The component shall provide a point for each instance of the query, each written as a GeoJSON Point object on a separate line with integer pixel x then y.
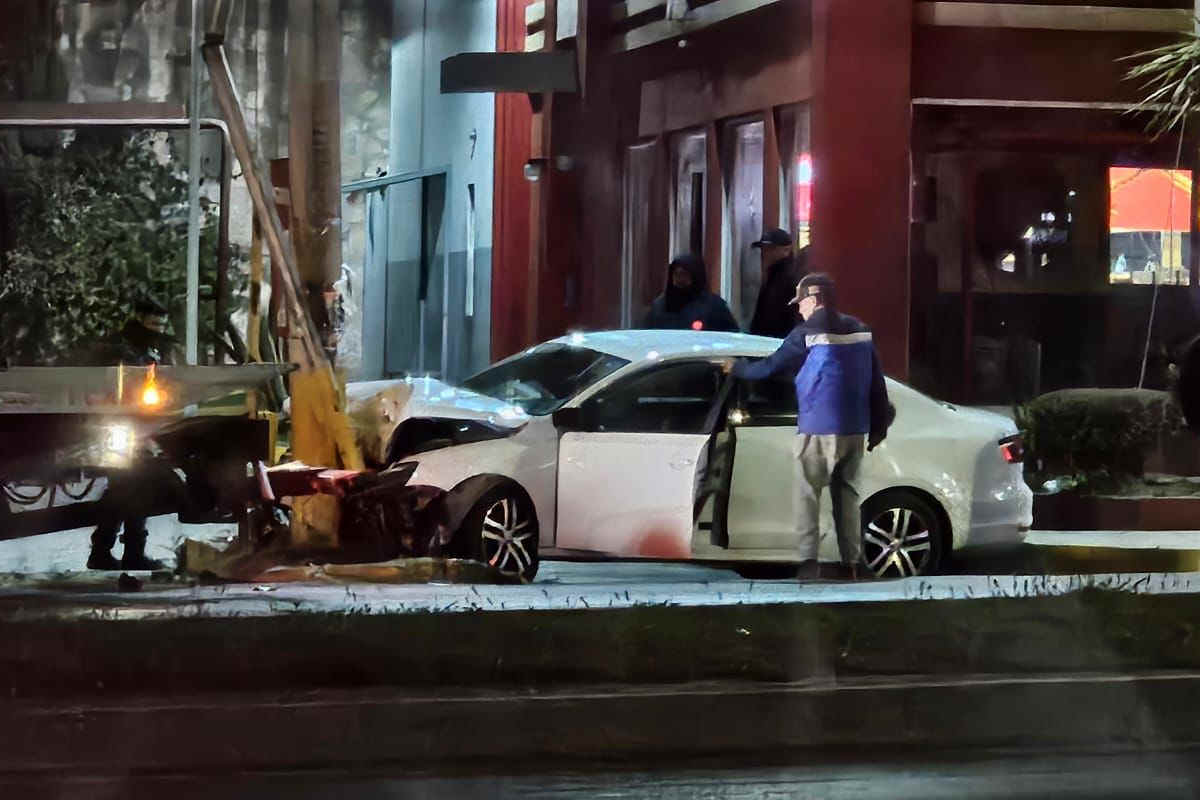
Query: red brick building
{"type": "Point", "coordinates": [952, 163]}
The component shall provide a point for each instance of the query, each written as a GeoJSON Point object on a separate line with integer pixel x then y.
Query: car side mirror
{"type": "Point", "coordinates": [569, 419]}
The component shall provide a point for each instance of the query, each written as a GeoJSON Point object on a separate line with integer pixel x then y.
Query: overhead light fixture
{"type": "Point", "coordinates": [535, 169]}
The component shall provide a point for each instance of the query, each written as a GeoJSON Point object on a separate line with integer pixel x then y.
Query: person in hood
{"type": "Point", "coordinates": [686, 303]}
{"type": "Point", "coordinates": [143, 340]}
{"type": "Point", "coordinates": [783, 268]}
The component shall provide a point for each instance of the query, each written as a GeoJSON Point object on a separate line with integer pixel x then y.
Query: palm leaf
{"type": "Point", "coordinates": [1170, 81]}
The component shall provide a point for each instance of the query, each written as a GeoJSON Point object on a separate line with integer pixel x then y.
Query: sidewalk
{"type": "Point", "coordinates": [1109, 550]}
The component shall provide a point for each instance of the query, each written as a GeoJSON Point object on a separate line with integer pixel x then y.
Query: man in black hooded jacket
{"type": "Point", "coordinates": [782, 270]}
{"type": "Point", "coordinates": [686, 303]}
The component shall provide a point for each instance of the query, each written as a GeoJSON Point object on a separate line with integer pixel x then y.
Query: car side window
{"type": "Point", "coordinates": [769, 400]}
{"type": "Point", "coordinates": [674, 398]}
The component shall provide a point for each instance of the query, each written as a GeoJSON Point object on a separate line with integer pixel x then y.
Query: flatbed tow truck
{"type": "Point", "coordinates": [186, 440]}
{"type": "Point", "coordinates": [188, 448]}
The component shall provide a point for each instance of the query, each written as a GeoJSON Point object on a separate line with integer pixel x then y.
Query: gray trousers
{"type": "Point", "coordinates": [833, 461]}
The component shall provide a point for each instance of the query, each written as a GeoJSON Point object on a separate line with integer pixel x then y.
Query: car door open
{"type": "Point", "coordinates": [760, 495]}
{"type": "Point", "coordinates": [629, 460]}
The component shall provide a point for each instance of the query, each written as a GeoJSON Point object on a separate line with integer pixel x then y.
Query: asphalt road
{"type": "Point", "coordinates": [868, 777]}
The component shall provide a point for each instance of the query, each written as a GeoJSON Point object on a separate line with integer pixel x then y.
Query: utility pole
{"type": "Point", "coordinates": [321, 432]}
{"type": "Point", "coordinates": [314, 165]}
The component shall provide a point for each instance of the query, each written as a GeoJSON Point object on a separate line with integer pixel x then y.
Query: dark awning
{"type": "Point", "coordinates": [529, 73]}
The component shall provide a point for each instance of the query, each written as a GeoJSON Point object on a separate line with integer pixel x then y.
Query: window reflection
{"type": "Point", "coordinates": [1149, 225]}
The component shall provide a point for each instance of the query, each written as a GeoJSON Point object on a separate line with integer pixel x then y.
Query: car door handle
{"type": "Point", "coordinates": [682, 463]}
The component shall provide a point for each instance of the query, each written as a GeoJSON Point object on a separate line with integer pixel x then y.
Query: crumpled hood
{"type": "Point", "coordinates": [376, 408]}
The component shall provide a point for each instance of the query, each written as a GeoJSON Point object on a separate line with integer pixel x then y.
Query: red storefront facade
{"type": "Point", "coordinates": [919, 147]}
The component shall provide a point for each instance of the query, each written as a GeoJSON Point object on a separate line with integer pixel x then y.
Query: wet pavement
{"type": "Point", "coordinates": [1032, 774]}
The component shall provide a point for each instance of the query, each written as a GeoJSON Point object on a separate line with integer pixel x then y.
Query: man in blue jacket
{"type": "Point", "coordinates": [842, 397]}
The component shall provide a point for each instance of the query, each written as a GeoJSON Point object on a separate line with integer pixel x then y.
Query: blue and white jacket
{"type": "Point", "coordinates": [839, 383]}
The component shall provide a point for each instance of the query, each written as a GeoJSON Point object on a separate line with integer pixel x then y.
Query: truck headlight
{"type": "Point", "coordinates": [118, 439]}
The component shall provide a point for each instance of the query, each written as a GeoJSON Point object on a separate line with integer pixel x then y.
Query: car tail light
{"type": "Point", "coordinates": [1013, 448]}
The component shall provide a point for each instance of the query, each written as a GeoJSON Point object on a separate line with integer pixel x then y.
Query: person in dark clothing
{"type": "Point", "coordinates": [686, 303]}
{"type": "Point", "coordinates": [141, 342]}
{"type": "Point", "coordinates": [841, 396]}
{"type": "Point", "coordinates": [143, 339]}
{"type": "Point", "coordinates": [782, 270]}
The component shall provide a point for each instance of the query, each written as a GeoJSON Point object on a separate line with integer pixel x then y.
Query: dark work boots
{"type": "Point", "coordinates": [134, 557]}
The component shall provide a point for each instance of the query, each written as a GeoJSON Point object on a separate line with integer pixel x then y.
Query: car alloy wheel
{"type": "Point", "coordinates": [902, 536]}
{"type": "Point", "coordinates": [508, 537]}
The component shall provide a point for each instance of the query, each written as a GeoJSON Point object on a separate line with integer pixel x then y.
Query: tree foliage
{"type": "Point", "coordinates": [1170, 77]}
{"type": "Point", "coordinates": [89, 230]}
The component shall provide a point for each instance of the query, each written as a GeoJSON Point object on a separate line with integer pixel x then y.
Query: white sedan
{"type": "Point", "coordinates": [636, 444]}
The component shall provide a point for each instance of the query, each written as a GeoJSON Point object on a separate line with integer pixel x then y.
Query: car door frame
{"type": "Point", "coordinates": [743, 417]}
{"type": "Point", "coordinates": [569, 420]}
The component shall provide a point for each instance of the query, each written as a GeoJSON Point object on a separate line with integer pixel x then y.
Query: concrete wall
{"type": "Point", "coordinates": [430, 131]}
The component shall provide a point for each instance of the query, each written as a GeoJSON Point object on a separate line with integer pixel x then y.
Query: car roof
{"type": "Point", "coordinates": [638, 345]}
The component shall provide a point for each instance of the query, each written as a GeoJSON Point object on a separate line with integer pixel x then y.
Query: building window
{"type": "Point", "coordinates": [689, 166]}
{"type": "Point", "coordinates": [742, 275]}
{"type": "Point", "coordinates": [469, 301]}
{"type": "Point", "coordinates": [1149, 225]}
{"type": "Point", "coordinates": [795, 158]}
{"type": "Point", "coordinates": [641, 277]}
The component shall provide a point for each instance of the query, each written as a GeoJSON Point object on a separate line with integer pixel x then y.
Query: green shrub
{"type": "Point", "coordinates": [1095, 436]}
{"type": "Point", "coordinates": [89, 230]}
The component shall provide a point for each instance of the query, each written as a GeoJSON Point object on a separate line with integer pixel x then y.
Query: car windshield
{"type": "Point", "coordinates": [542, 379]}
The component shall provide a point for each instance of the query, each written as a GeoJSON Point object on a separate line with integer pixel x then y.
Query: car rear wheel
{"type": "Point", "coordinates": [501, 530]}
{"type": "Point", "coordinates": [903, 535]}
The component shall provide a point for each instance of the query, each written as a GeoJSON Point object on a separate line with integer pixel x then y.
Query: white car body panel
{"type": "Point", "coordinates": [631, 494]}
{"type": "Point", "coordinates": [628, 493]}
{"type": "Point", "coordinates": [530, 457]}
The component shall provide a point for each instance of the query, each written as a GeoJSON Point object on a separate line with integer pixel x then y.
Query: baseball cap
{"type": "Point", "coordinates": [774, 238]}
{"type": "Point", "coordinates": [814, 284]}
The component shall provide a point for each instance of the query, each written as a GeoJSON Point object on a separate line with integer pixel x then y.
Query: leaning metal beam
{"type": "Point", "coordinates": [262, 195]}
{"type": "Point", "coordinates": [319, 424]}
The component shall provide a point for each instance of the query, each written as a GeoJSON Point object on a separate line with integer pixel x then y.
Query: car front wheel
{"type": "Point", "coordinates": [501, 530]}
{"type": "Point", "coordinates": [903, 535]}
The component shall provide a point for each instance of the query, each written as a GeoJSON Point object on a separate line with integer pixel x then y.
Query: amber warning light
{"type": "Point", "coordinates": [152, 395]}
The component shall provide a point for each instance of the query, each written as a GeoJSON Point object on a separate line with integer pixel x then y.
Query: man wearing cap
{"type": "Point", "coordinates": [782, 269]}
{"type": "Point", "coordinates": [841, 399]}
